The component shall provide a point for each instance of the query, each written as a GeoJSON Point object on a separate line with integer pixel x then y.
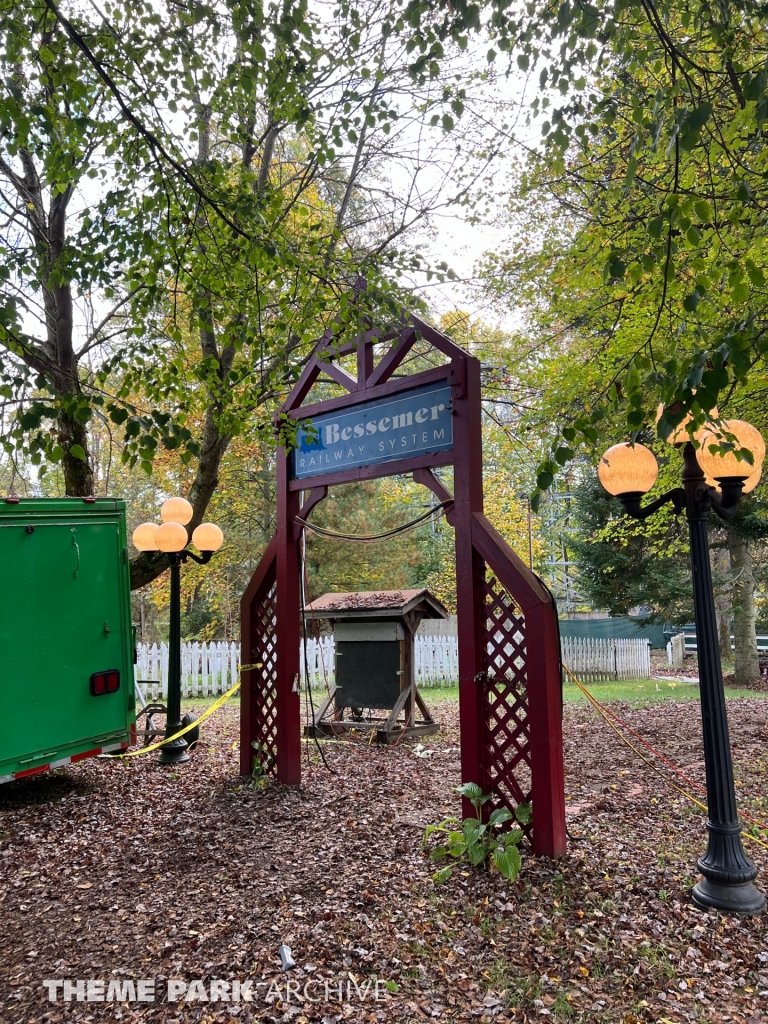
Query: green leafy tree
{"type": "Point", "coordinates": [364, 509]}
{"type": "Point", "coordinates": [643, 253]}
{"type": "Point", "coordinates": [624, 563]}
{"type": "Point", "coordinates": [191, 193]}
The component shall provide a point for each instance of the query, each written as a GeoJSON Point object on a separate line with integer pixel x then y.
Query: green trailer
{"type": "Point", "coordinates": [66, 640]}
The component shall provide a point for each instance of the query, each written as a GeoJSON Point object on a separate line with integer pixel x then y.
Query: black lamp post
{"type": "Point", "coordinates": [628, 471]}
{"type": "Point", "coordinates": [169, 541]}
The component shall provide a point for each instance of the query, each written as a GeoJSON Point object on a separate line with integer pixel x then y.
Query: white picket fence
{"type": "Point", "coordinates": [594, 660]}
{"type": "Point", "coordinates": [321, 658]}
{"type": "Point", "coordinates": [211, 669]}
{"type": "Point", "coordinates": [436, 660]}
{"type": "Point", "coordinates": [206, 669]}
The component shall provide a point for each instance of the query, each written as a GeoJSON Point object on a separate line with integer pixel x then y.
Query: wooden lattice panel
{"type": "Point", "coordinates": [264, 653]}
{"type": "Point", "coordinates": [506, 733]}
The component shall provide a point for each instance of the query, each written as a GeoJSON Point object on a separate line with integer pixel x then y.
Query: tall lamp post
{"type": "Point", "coordinates": [169, 541]}
{"type": "Point", "coordinates": [627, 472]}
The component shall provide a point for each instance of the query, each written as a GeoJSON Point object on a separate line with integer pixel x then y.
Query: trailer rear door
{"type": "Point", "coordinates": [61, 621]}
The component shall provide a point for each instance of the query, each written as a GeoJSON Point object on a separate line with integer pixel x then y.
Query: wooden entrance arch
{"type": "Point", "coordinates": [509, 669]}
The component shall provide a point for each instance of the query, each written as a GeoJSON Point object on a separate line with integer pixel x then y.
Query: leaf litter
{"type": "Point", "coordinates": [122, 870]}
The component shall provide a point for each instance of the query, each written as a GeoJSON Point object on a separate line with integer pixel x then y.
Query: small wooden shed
{"type": "Point", "coordinates": [374, 638]}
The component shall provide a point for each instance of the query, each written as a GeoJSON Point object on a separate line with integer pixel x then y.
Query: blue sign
{"type": "Point", "coordinates": [412, 423]}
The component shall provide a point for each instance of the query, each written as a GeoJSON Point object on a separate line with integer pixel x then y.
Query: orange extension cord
{"type": "Point", "coordinates": [608, 715]}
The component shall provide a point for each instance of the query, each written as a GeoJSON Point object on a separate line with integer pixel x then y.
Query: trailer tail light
{"type": "Point", "coordinates": [105, 682]}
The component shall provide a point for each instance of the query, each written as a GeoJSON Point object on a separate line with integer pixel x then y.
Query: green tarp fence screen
{"type": "Point", "coordinates": [619, 628]}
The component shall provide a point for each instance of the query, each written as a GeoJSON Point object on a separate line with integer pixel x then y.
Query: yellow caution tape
{"type": "Point", "coordinates": [192, 725]}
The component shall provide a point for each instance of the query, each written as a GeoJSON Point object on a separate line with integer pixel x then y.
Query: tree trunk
{"type": "Point", "coordinates": [78, 473]}
{"type": "Point", "coordinates": [722, 582]}
{"type": "Point", "coordinates": [55, 357]}
{"type": "Point", "coordinates": [746, 665]}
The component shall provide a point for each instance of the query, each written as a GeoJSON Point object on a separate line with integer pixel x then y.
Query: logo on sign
{"type": "Point", "coordinates": [416, 422]}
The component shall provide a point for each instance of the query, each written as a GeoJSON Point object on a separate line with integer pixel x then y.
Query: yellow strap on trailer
{"type": "Point", "coordinates": [192, 725]}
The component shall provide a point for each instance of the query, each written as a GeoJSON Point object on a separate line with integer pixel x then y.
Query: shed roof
{"type": "Point", "coordinates": [377, 604]}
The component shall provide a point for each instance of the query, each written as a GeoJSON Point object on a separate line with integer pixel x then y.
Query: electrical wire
{"type": "Point", "coordinates": [374, 538]}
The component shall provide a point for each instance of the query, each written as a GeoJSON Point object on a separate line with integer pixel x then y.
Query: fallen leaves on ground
{"type": "Point", "coordinates": [118, 870]}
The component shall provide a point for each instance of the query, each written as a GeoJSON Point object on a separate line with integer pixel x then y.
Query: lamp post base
{"type": "Point", "coordinates": [175, 752]}
{"type": "Point", "coordinates": [740, 898]}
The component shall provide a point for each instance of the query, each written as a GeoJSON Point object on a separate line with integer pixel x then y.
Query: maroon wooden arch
{"type": "Point", "coordinates": [509, 671]}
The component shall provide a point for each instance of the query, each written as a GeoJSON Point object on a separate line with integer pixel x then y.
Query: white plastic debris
{"type": "Point", "coordinates": [286, 957]}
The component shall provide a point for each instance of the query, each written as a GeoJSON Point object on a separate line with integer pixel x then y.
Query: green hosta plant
{"type": "Point", "coordinates": [261, 762]}
{"type": "Point", "coordinates": [477, 841]}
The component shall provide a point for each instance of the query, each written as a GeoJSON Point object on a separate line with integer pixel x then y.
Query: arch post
{"type": "Point", "coordinates": [470, 572]}
{"type": "Point", "coordinates": [288, 686]}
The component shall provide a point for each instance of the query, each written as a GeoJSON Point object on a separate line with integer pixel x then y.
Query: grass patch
{"type": "Point", "coordinates": [433, 694]}
{"type": "Point", "coordinates": [641, 690]}
{"type": "Point", "coordinates": [645, 690]}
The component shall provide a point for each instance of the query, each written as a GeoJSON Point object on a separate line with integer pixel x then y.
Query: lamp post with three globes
{"type": "Point", "coordinates": [628, 471]}
{"type": "Point", "coordinates": [169, 541]}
